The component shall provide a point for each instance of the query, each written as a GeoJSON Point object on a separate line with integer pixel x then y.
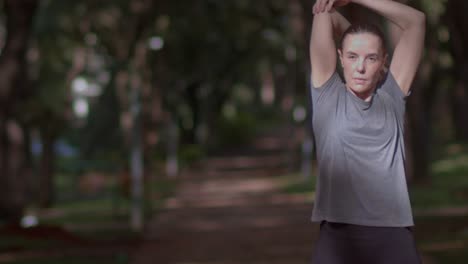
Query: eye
{"type": "Point", "coordinates": [352, 57]}
{"type": "Point", "coordinates": [372, 59]}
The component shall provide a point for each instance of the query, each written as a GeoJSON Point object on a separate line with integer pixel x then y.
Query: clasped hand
{"type": "Point", "coordinates": [321, 6]}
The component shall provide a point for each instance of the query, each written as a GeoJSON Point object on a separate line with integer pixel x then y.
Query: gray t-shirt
{"type": "Point", "coordinates": [361, 155]}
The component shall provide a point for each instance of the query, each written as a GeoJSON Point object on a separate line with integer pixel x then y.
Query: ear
{"type": "Point", "coordinates": [385, 60]}
{"type": "Point", "coordinates": [384, 70]}
{"type": "Point", "coordinates": [384, 65]}
{"type": "Point", "coordinates": [340, 55]}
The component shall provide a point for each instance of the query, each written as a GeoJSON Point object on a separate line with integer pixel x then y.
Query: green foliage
{"type": "Point", "coordinates": [433, 9]}
{"type": "Point", "coordinates": [236, 130]}
{"type": "Point", "coordinates": [9, 242]}
{"type": "Point", "coordinates": [101, 137]}
{"type": "Point", "coordinates": [190, 153]}
{"type": "Point", "coordinates": [455, 256]}
{"type": "Point", "coordinates": [448, 184]}
{"type": "Point", "coordinates": [296, 183]}
{"type": "Point", "coordinates": [443, 237]}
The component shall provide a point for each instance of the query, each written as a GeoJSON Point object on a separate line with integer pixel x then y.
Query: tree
{"type": "Point", "coordinates": [458, 28]}
{"type": "Point", "coordinates": [13, 89]}
{"type": "Point", "coordinates": [59, 57]}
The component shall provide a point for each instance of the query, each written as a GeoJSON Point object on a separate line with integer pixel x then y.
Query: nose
{"type": "Point", "coordinates": [360, 67]}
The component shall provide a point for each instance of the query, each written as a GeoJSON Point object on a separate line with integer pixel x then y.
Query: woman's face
{"type": "Point", "coordinates": [363, 59]}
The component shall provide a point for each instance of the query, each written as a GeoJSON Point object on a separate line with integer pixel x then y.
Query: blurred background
{"type": "Point", "coordinates": [176, 131]}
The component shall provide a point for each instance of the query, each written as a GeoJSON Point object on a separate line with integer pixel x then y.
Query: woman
{"type": "Point", "coordinates": [362, 199]}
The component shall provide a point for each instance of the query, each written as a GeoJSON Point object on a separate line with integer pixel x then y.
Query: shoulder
{"type": "Point", "coordinates": [333, 80]}
{"type": "Point", "coordinates": [328, 90]}
{"type": "Point", "coordinates": [390, 85]}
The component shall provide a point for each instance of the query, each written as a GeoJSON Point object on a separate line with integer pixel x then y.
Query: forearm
{"type": "Point", "coordinates": [322, 31]}
{"type": "Point", "coordinates": [322, 49]}
{"type": "Point", "coordinates": [402, 15]}
{"type": "Point", "coordinates": [340, 24]}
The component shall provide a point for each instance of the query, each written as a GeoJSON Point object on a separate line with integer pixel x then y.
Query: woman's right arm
{"type": "Point", "coordinates": [326, 24]}
{"type": "Point", "coordinates": [410, 45]}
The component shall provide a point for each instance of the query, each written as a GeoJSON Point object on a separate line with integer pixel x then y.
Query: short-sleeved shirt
{"type": "Point", "coordinates": [361, 155]}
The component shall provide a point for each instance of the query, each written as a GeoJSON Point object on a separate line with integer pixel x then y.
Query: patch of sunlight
{"type": "Point", "coordinates": [293, 198]}
{"type": "Point", "coordinates": [448, 165]}
{"type": "Point", "coordinates": [238, 186]}
{"type": "Point", "coordinates": [297, 184]}
{"type": "Point", "coordinates": [269, 222]}
{"type": "Point", "coordinates": [444, 246]}
{"type": "Point", "coordinates": [206, 225]}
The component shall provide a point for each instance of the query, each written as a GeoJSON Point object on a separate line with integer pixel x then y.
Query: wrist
{"type": "Point", "coordinates": [340, 3]}
{"type": "Point", "coordinates": [356, 1]}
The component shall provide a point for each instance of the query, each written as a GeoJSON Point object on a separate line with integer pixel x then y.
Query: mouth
{"type": "Point", "coordinates": [360, 80]}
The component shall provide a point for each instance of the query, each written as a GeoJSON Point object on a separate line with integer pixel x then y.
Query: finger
{"type": "Point", "coordinates": [324, 5]}
{"type": "Point", "coordinates": [329, 6]}
{"type": "Point", "coordinates": [320, 6]}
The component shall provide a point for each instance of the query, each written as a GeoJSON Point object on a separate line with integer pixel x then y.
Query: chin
{"type": "Point", "coordinates": [360, 91]}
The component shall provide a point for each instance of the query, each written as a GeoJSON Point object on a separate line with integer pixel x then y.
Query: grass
{"type": "Point", "coordinates": [14, 242]}
{"type": "Point", "coordinates": [102, 218]}
{"type": "Point", "coordinates": [452, 257]}
{"type": "Point", "coordinates": [444, 237]}
{"type": "Point", "coordinates": [296, 183]}
{"type": "Point", "coordinates": [448, 182]}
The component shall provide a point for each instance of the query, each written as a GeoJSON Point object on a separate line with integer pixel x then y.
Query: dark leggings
{"type": "Point", "coordinates": [349, 244]}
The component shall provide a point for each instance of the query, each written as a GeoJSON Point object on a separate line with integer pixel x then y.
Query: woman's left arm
{"type": "Point", "coordinates": [410, 46]}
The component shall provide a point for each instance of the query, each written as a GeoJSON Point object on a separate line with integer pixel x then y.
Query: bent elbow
{"type": "Point", "coordinates": [420, 18]}
{"type": "Point", "coordinates": [417, 21]}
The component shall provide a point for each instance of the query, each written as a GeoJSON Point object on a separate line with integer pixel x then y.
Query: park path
{"type": "Point", "coordinates": [229, 210]}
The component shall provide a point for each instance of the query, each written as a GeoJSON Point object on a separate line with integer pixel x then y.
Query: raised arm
{"type": "Point", "coordinates": [409, 48]}
{"type": "Point", "coordinates": [327, 24]}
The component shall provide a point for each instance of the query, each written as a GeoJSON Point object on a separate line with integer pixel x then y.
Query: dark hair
{"type": "Point", "coordinates": [364, 28]}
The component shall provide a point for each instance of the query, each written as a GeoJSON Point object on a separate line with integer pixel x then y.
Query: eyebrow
{"type": "Point", "coordinates": [367, 55]}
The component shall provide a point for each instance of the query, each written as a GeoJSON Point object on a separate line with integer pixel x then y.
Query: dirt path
{"type": "Point", "coordinates": [230, 212]}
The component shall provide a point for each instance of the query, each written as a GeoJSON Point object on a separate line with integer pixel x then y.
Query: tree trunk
{"type": "Point", "coordinates": [136, 163]}
{"type": "Point", "coordinates": [46, 190]}
{"type": "Point", "coordinates": [19, 16]}
{"type": "Point", "coordinates": [194, 103]}
{"type": "Point", "coordinates": [458, 27]}
{"type": "Point", "coordinates": [417, 136]}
